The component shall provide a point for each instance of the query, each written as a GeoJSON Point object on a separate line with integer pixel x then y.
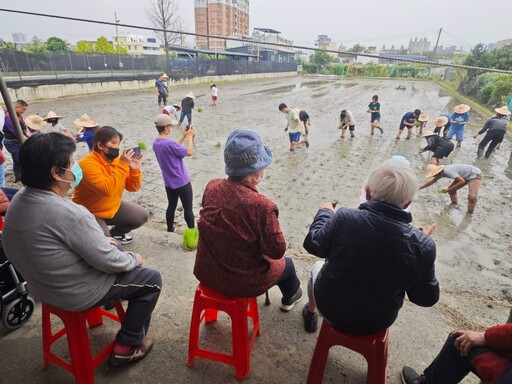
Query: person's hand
{"type": "Point", "coordinates": [429, 231]}
{"type": "Point", "coordinates": [467, 340]}
{"type": "Point", "coordinates": [286, 129]}
{"type": "Point", "coordinates": [327, 205]}
{"type": "Point", "coordinates": [139, 259]}
{"type": "Point", "coordinates": [474, 137]}
{"type": "Point", "coordinates": [444, 191]}
{"type": "Point", "coordinates": [135, 163]}
{"type": "Point", "coordinates": [191, 132]}
{"type": "Point", "coordinates": [112, 241]}
{"type": "Point", "coordinates": [127, 155]}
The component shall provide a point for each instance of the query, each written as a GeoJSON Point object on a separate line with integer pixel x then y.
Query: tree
{"type": "Point", "coordinates": [321, 58]}
{"type": "Point", "coordinates": [55, 44]}
{"type": "Point", "coordinates": [479, 57]}
{"type": "Point", "coordinates": [164, 15]}
{"type": "Point", "coordinates": [103, 46]}
{"type": "Point", "coordinates": [357, 49]}
{"type": "Point", "coordinates": [84, 46]}
{"type": "Point", "coordinates": [36, 46]}
{"type": "Point", "coordinates": [502, 58]}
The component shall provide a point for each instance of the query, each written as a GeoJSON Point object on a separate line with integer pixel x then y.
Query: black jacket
{"type": "Point", "coordinates": [494, 124]}
{"type": "Point", "coordinates": [434, 142]}
{"type": "Point", "coordinates": [373, 256]}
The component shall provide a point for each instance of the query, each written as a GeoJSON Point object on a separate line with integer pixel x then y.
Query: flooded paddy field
{"type": "Point", "coordinates": [474, 258]}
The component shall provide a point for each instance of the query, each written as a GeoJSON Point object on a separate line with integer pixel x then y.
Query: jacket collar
{"type": "Point", "coordinates": [231, 180]}
{"type": "Point", "coordinates": [386, 209]}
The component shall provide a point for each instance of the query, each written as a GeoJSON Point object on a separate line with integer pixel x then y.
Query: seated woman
{"type": "Point", "coordinates": [63, 254]}
{"type": "Point", "coordinates": [241, 246]}
{"type": "Point", "coordinates": [106, 175]}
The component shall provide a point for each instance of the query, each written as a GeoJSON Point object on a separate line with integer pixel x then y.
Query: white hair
{"type": "Point", "coordinates": [393, 182]}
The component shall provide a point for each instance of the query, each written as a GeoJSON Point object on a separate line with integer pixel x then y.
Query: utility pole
{"type": "Point", "coordinates": [117, 40]}
{"type": "Point", "coordinates": [437, 42]}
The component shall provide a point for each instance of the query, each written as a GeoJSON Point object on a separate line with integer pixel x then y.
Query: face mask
{"type": "Point", "coordinates": [77, 172]}
{"type": "Point", "coordinates": [112, 153]}
{"type": "Point", "coordinates": [257, 180]}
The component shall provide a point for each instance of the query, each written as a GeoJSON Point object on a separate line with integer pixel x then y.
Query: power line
{"type": "Point", "coordinates": [280, 45]}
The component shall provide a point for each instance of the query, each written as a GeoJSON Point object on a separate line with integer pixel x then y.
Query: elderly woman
{"type": "Point", "coordinates": [62, 252]}
{"type": "Point", "coordinates": [241, 246]}
{"type": "Point", "coordinates": [106, 175]}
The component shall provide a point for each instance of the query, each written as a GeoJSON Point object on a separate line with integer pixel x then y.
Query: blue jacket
{"type": "Point", "coordinates": [373, 256]}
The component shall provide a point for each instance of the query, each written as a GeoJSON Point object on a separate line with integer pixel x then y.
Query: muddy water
{"type": "Point", "coordinates": [474, 252]}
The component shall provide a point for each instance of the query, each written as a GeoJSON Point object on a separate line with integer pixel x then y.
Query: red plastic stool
{"type": "Point", "coordinates": [373, 347]}
{"type": "Point", "coordinates": [83, 362]}
{"type": "Point", "coordinates": [210, 301]}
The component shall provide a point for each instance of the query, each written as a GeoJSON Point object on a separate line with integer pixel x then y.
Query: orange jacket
{"type": "Point", "coordinates": [102, 186]}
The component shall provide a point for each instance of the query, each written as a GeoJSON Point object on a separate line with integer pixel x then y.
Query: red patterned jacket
{"type": "Point", "coordinates": [492, 365]}
{"type": "Point", "coordinates": [241, 246]}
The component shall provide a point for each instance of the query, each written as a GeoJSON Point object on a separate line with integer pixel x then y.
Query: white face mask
{"type": "Point", "coordinates": [257, 179]}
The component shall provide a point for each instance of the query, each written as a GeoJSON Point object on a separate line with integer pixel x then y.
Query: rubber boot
{"type": "Point", "coordinates": [479, 153]}
{"type": "Point", "coordinates": [17, 177]}
{"type": "Point", "coordinates": [471, 207]}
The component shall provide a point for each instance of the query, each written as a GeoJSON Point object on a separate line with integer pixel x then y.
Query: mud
{"type": "Point", "coordinates": [474, 251]}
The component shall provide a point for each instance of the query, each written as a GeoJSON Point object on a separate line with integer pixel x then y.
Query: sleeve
{"type": "Point", "coordinates": [272, 241]}
{"type": "Point", "coordinates": [192, 104]}
{"type": "Point", "coordinates": [134, 180]}
{"type": "Point", "coordinates": [450, 174]}
{"type": "Point", "coordinates": [96, 180]}
{"type": "Point", "coordinates": [432, 143]}
{"type": "Point", "coordinates": [318, 239]}
{"type": "Point", "coordinates": [425, 292]}
{"type": "Point", "coordinates": [87, 240]}
{"type": "Point", "coordinates": [499, 338]}
{"type": "Point", "coordinates": [485, 127]}
{"type": "Point", "coordinates": [179, 150]}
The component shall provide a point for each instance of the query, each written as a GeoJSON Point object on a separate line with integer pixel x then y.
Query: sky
{"type": "Point", "coordinates": [368, 22]}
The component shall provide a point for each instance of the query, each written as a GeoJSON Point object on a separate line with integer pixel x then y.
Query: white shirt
{"type": "Point", "coordinates": [215, 91]}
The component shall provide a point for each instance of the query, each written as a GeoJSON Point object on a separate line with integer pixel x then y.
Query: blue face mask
{"type": "Point", "coordinates": [77, 172]}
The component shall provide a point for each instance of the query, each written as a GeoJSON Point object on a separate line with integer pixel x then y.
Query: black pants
{"type": "Point", "coordinates": [288, 283]}
{"type": "Point", "coordinates": [449, 367]}
{"type": "Point", "coordinates": [141, 287]}
{"type": "Point", "coordinates": [129, 216]}
{"type": "Point", "coordinates": [162, 97]}
{"type": "Point", "coordinates": [495, 137]}
{"type": "Point", "coordinates": [185, 194]}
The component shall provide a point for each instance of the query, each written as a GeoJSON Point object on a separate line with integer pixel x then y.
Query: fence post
{"type": "Point", "coordinates": [70, 61]}
{"type": "Point", "coordinates": [28, 62]}
{"type": "Point", "coordinates": [16, 64]}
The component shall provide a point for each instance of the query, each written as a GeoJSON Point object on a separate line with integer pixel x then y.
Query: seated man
{"type": "Point", "coordinates": [373, 257]}
{"type": "Point", "coordinates": [486, 354]}
{"type": "Point", "coordinates": [62, 253]}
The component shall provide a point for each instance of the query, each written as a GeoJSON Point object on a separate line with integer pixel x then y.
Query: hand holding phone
{"type": "Point", "coordinates": [136, 151]}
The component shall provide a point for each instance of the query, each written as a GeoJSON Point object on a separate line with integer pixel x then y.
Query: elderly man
{"type": "Point", "coordinates": [11, 140]}
{"type": "Point", "coordinates": [373, 257]}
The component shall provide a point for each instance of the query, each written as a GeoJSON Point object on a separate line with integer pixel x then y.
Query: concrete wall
{"type": "Point", "coordinates": [63, 90]}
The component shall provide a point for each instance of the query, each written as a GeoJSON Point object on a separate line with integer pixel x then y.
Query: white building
{"type": "Point", "coordinates": [137, 45]}
{"type": "Point", "coordinates": [419, 47]}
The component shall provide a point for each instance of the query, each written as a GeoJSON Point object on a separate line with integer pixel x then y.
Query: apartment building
{"type": "Point", "coordinates": [137, 45]}
{"type": "Point", "coordinates": [220, 18]}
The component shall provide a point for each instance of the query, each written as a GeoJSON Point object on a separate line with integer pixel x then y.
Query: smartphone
{"type": "Point", "coordinates": [188, 127]}
{"type": "Point", "coordinates": [136, 151]}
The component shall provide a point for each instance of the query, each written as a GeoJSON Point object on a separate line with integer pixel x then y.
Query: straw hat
{"type": "Point", "coordinates": [177, 106]}
{"type": "Point", "coordinates": [191, 95]}
{"type": "Point", "coordinates": [52, 115]}
{"type": "Point", "coordinates": [85, 122]}
{"type": "Point", "coordinates": [423, 117]}
{"type": "Point", "coordinates": [441, 121]}
{"type": "Point", "coordinates": [502, 111]}
{"type": "Point", "coordinates": [461, 108]}
{"type": "Point", "coordinates": [433, 170]}
{"type": "Point", "coordinates": [428, 132]}
{"type": "Point", "coordinates": [35, 122]}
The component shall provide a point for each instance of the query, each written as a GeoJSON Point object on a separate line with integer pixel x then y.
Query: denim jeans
{"type": "Point", "coordinates": [188, 115]}
{"type": "Point", "coordinates": [14, 149]}
{"type": "Point", "coordinates": [2, 175]}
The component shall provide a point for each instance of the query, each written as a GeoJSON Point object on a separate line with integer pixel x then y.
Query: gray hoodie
{"type": "Point", "coordinates": [60, 250]}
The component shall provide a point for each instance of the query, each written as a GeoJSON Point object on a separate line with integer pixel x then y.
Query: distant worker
{"type": "Point", "coordinates": [374, 109]}
{"type": "Point", "coordinates": [442, 124]}
{"type": "Point", "coordinates": [462, 174]}
{"type": "Point", "coordinates": [172, 111]}
{"type": "Point", "coordinates": [347, 121]}
{"type": "Point", "coordinates": [294, 126]}
{"type": "Point", "coordinates": [215, 94]}
{"type": "Point", "coordinates": [161, 90]}
{"type": "Point", "coordinates": [87, 128]}
{"type": "Point", "coordinates": [421, 123]}
{"type": "Point", "coordinates": [187, 105]}
{"type": "Point", "coordinates": [459, 120]}
{"type": "Point", "coordinates": [496, 127]}
{"type": "Point", "coordinates": [54, 125]}
{"type": "Point", "coordinates": [306, 120]}
{"type": "Point", "coordinates": [440, 146]}
{"type": "Point", "coordinates": [408, 121]}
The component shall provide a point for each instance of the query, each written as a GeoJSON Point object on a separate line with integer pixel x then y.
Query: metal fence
{"type": "Point", "coordinates": [24, 65]}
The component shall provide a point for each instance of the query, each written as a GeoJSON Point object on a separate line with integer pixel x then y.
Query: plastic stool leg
{"type": "Point", "coordinates": [94, 317]}
{"type": "Point", "coordinates": [80, 349]}
{"type": "Point", "coordinates": [377, 363]}
{"type": "Point", "coordinates": [241, 349]}
{"type": "Point", "coordinates": [210, 315]}
{"type": "Point", "coordinates": [47, 335]}
{"type": "Point", "coordinates": [319, 359]}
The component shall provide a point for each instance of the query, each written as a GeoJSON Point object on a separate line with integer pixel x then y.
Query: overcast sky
{"type": "Point", "coordinates": [368, 22]}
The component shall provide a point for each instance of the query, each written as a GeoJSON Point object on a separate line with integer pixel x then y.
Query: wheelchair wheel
{"type": "Point", "coordinates": [17, 312]}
